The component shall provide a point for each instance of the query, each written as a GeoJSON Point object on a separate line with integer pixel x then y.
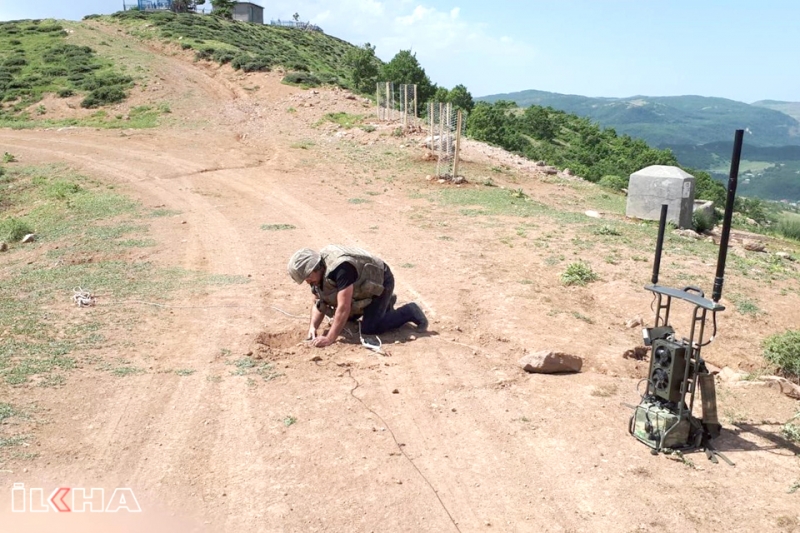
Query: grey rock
{"type": "Point", "coordinates": [30, 237]}
{"type": "Point", "coordinates": [3, 247]}
{"type": "Point", "coordinates": [754, 246]}
{"type": "Point", "coordinates": [549, 362]}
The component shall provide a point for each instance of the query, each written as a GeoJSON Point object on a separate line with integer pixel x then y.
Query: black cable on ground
{"type": "Point", "coordinates": [455, 525]}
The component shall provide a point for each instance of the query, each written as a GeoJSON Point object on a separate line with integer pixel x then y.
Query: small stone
{"type": "Point", "coordinates": [412, 337]}
{"type": "Point", "coordinates": [316, 358]}
{"type": "Point", "coordinates": [593, 214]}
{"type": "Point", "coordinates": [3, 247]}
{"type": "Point", "coordinates": [395, 391]}
{"type": "Point", "coordinates": [30, 237]}
{"type": "Point", "coordinates": [729, 375]}
{"type": "Point", "coordinates": [633, 322]}
{"type": "Point", "coordinates": [549, 362]}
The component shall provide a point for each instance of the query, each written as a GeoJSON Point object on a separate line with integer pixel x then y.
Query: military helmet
{"type": "Point", "coordinates": [302, 264]}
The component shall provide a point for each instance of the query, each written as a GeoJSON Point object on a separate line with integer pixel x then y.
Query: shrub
{"type": "Point", "coordinates": [223, 56]}
{"type": "Point", "coordinates": [702, 220]}
{"type": "Point", "coordinates": [579, 273]}
{"type": "Point", "coordinates": [14, 229]}
{"type": "Point", "coordinates": [15, 62]}
{"type": "Point", "coordinates": [613, 182]}
{"type": "Point", "coordinates": [257, 64]}
{"type": "Point", "coordinates": [65, 93]}
{"type": "Point", "coordinates": [783, 350]}
{"type": "Point", "coordinates": [206, 52]}
{"type": "Point", "coordinates": [103, 96]}
{"type": "Point", "coordinates": [789, 227]}
{"type": "Point", "coordinates": [301, 78]}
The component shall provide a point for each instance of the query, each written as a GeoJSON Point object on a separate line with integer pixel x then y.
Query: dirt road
{"type": "Point", "coordinates": [445, 433]}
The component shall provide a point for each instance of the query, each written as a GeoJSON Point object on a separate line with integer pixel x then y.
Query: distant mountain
{"type": "Point", "coordinates": [790, 108]}
{"type": "Point", "coordinates": [671, 120]}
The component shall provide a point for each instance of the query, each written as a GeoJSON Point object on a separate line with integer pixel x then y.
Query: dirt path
{"type": "Point", "coordinates": [445, 433]}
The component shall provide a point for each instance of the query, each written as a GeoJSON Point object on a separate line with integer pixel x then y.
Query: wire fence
{"type": "Point", "coordinates": [296, 24]}
{"type": "Point", "coordinates": [446, 126]}
{"type": "Point", "coordinates": [397, 105]}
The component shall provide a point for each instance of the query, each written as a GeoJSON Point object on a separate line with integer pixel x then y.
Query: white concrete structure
{"type": "Point", "coordinates": [655, 185]}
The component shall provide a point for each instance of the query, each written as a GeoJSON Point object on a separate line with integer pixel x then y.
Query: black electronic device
{"type": "Point", "coordinates": [664, 418]}
{"type": "Point", "coordinates": [667, 367]}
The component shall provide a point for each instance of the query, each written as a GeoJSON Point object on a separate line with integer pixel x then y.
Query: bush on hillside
{"type": "Point", "coordinates": [789, 226]}
{"type": "Point", "coordinates": [783, 350]}
{"type": "Point", "coordinates": [13, 229]}
{"type": "Point", "coordinates": [223, 56]}
{"type": "Point", "coordinates": [578, 273]}
{"type": "Point", "coordinates": [104, 96]}
{"type": "Point", "coordinates": [616, 183]}
{"type": "Point", "coordinates": [301, 78]}
{"type": "Point", "coordinates": [702, 220]}
{"type": "Point", "coordinates": [249, 63]}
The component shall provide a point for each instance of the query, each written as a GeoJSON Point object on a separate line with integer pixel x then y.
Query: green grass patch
{"type": "Point", "coordinates": [578, 273]}
{"type": "Point", "coordinates": [783, 351]}
{"type": "Point", "coordinates": [246, 366]}
{"type": "Point", "coordinates": [745, 305]}
{"type": "Point", "coordinates": [789, 226]}
{"type": "Point", "coordinates": [345, 120]}
{"type": "Point", "coordinates": [13, 229]}
{"type": "Point", "coordinates": [16, 440]}
{"type": "Point", "coordinates": [93, 228]}
{"type": "Point", "coordinates": [606, 230]}
{"type": "Point", "coordinates": [185, 371]}
{"type": "Point", "coordinates": [277, 227]}
{"type": "Point", "coordinates": [162, 212]}
{"type": "Point", "coordinates": [309, 57]}
{"type": "Point", "coordinates": [36, 59]}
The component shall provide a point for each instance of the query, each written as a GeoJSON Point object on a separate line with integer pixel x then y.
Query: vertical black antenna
{"type": "Point", "coordinates": [662, 225]}
{"type": "Point", "coordinates": [726, 224]}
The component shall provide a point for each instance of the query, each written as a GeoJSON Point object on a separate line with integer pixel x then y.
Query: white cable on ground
{"type": "Point", "coordinates": [82, 298]}
{"type": "Point", "coordinates": [375, 348]}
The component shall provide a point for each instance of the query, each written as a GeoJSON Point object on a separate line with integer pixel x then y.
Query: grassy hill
{"type": "Point", "coordinates": [790, 108]}
{"type": "Point", "coordinates": [699, 131]}
{"type": "Point", "coordinates": [668, 120]}
{"type": "Point", "coordinates": [249, 47]}
{"type": "Point", "coordinates": [41, 57]}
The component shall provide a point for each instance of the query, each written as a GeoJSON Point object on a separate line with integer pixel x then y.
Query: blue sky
{"type": "Point", "coordinates": [740, 49]}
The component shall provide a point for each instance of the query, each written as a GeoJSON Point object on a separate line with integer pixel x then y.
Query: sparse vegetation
{"type": "Point", "coordinates": [86, 219]}
{"type": "Point", "coordinates": [783, 351]}
{"type": "Point", "coordinates": [43, 62]}
{"type": "Point", "coordinates": [276, 227]}
{"type": "Point", "coordinates": [578, 273]}
{"type": "Point", "coordinates": [13, 229]}
{"type": "Point", "coordinates": [702, 221]}
{"type": "Point", "coordinates": [789, 226]}
{"type": "Point", "coordinates": [345, 120]}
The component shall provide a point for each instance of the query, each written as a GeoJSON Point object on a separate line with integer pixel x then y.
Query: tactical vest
{"type": "Point", "coordinates": [368, 284]}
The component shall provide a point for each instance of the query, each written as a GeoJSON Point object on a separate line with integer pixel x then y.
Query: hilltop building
{"type": "Point", "coordinates": [248, 12]}
{"type": "Point", "coordinates": [153, 5]}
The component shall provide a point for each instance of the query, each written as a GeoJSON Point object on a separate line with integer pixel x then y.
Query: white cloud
{"type": "Point", "coordinates": [451, 44]}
